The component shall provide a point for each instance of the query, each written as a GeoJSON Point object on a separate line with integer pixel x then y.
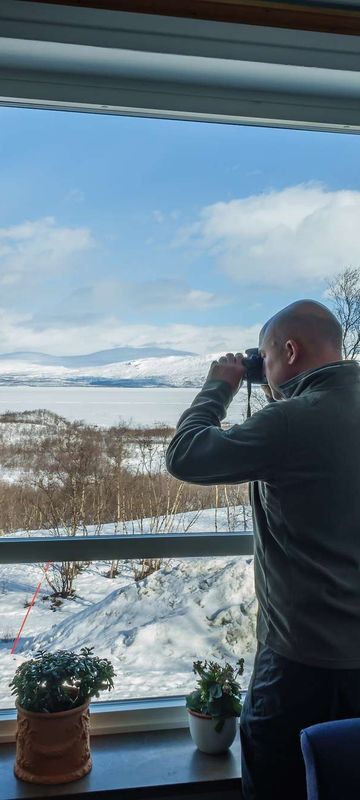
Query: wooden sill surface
{"type": "Point", "coordinates": [143, 765]}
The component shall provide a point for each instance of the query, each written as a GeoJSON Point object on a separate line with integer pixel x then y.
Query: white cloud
{"type": "Point", "coordinates": [39, 246]}
{"type": "Point", "coordinates": [196, 298]}
{"type": "Point", "coordinates": [18, 333]}
{"type": "Point", "coordinates": [286, 238]}
{"type": "Point", "coordinates": [113, 296]}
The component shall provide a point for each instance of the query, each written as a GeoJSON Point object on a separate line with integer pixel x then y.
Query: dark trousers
{"type": "Point", "coordinates": [284, 697]}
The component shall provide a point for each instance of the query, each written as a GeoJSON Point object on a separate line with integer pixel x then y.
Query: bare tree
{"type": "Point", "coordinates": [344, 292]}
{"type": "Point", "coordinates": [234, 499]}
{"type": "Point", "coordinates": [69, 479]}
{"type": "Point", "coordinates": [61, 578]}
{"type": "Point", "coordinates": [69, 470]}
{"type": "Point", "coordinates": [160, 502]}
{"type": "Point", "coordinates": [116, 452]}
{"type": "Point", "coordinates": [75, 478]}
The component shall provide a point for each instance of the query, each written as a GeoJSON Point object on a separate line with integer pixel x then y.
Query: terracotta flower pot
{"type": "Point", "coordinates": [204, 735]}
{"type": "Point", "coordinates": [53, 748]}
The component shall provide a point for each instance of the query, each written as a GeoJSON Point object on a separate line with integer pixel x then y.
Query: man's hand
{"type": "Point", "coordinates": [228, 368]}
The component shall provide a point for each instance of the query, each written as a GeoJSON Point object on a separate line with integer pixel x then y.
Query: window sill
{"type": "Point", "coordinates": [144, 765]}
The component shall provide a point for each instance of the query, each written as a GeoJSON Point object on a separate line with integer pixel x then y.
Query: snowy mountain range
{"type": "Point", "coordinates": [119, 366]}
{"type": "Point", "coordinates": [98, 359]}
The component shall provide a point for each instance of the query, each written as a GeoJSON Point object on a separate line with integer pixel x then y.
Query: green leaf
{"type": "Point", "coordinates": [215, 690]}
{"type": "Point", "coordinates": [219, 724]}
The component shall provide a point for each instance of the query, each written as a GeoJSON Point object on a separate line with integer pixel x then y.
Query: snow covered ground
{"type": "Point", "coordinates": [152, 629]}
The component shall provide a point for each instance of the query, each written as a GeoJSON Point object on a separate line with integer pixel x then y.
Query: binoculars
{"type": "Point", "coordinates": [254, 364]}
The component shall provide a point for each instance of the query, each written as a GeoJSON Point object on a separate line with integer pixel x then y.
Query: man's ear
{"type": "Point", "coordinates": [292, 352]}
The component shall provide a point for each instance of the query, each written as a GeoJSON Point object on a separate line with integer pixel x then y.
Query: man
{"type": "Point", "coordinates": [302, 455]}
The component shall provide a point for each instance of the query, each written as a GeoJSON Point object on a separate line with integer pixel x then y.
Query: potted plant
{"type": "Point", "coordinates": [214, 705]}
{"type": "Point", "coordinates": [53, 692]}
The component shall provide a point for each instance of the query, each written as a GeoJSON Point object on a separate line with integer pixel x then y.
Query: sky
{"type": "Point", "coordinates": [120, 231]}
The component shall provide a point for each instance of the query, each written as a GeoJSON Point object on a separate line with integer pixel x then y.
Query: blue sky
{"type": "Point", "coordinates": [117, 231]}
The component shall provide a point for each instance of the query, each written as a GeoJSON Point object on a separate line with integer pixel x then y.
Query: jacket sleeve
{"type": "Point", "coordinates": [201, 452]}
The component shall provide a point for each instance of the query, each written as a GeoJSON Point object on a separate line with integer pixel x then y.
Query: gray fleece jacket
{"type": "Point", "coordinates": [302, 457]}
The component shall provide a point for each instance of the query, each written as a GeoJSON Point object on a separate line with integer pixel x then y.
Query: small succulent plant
{"type": "Point", "coordinates": [61, 680]}
{"type": "Point", "coordinates": [218, 693]}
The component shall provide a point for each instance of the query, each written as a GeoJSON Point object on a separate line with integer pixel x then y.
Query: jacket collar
{"type": "Point", "coordinates": [336, 374]}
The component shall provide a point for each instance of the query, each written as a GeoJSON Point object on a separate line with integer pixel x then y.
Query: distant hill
{"type": "Point", "coordinates": [102, 357]}
{"type": "Point", "coordinates": [136, 367]}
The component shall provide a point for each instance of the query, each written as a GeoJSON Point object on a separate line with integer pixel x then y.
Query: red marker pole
{"type": "Point", "coordinates": [37, 590]}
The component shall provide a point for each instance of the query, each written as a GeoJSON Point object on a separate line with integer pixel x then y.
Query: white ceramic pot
{"type": "Point", "coordinates": [206, 738]}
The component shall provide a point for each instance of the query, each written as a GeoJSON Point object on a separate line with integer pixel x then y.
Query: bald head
{"type": "Point", "coordinates": [309, 322]}
{"type": "Point", "coordinates": [304, 335]}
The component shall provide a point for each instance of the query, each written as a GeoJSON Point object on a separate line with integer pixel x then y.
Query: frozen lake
{"type": "Point", "coordinates": [107, 406]}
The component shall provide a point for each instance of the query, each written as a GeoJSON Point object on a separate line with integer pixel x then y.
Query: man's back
{"type": "Point", "coordinates": [303, 458]}
{"type": "Point", "coordinates": [308, 524]}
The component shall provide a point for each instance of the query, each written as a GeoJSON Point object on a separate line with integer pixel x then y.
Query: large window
{"type": "Point", "coordinates": [132, 251]}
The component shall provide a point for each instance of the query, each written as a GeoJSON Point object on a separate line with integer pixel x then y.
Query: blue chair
{"type": "Point", "coordinates": [331, 752]}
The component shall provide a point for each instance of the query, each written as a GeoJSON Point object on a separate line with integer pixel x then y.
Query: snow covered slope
{"type": "Point", "coordinates": [98, 359]}
{"type": "Point", "coordinates": [166, 370]}
{"type": "Point", "coordinates": [151, 629]}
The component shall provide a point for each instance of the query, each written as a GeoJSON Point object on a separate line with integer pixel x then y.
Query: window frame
{"type": "Point", "coordinates": [101, 61]}
{"type": "Point", "coordinates": [318, 15]}
{"type": "Point", "coordinates": [45, 52]}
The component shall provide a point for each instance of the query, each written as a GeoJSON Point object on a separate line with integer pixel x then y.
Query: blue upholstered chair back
{"type": "Point", "coordinates": [331, 753]}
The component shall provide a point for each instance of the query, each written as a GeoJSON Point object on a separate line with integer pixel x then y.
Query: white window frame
{"type": "Point", "coordinates": [100, 61]}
